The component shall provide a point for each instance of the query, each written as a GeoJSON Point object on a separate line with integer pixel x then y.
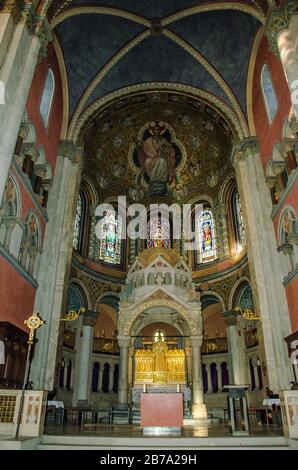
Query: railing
{"type": "Point", "coordinates": [106, 346]}
{"type": "Point", "coordinates": [214, 345]}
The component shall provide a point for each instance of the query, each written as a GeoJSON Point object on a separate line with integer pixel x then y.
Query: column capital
{"type": "Point", "coordinates": [244, 149]}
{"type": "Point", "coordinates": [279, 19]}
{"type": "Point", "coordinates": [89, 318]}
{"type": "Point", "coordinates": [230, 317]}
{"type": "Point", "coordinates": [196, 341]}
{"type": "Point", "coordinates": [69, 150]}
{"type": "Point", "coordinates": [124, 341]}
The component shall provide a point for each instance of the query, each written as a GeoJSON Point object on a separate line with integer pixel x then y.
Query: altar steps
{"type": "Point", "coordinates": [162, 443]}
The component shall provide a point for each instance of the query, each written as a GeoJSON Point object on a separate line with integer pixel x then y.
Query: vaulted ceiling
{"type": "Point", "coordinates": [113, 44]}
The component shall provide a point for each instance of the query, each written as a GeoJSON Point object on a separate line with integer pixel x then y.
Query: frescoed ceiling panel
{"type": "Point", "coordinates": [157, 58]}
{"type": "Point", "coordinates": [229, 50]}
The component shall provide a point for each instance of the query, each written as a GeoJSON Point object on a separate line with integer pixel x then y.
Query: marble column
{"type": "Point", "coordinates": [19, 48]}
{"type": "Point", "coordinates": [85, 357]}
{"type": "Point", "coordinates": [235, 349]}
{"type": "Point", "coordinates": [282, 33]}
{"type": "Point", "coordinates": [198, 407]}
{"type": "Point", "coordinates": [124, 344]}
{"type": "Point", "coordinates": [220, 214]}
{"type": "Point", "coordinates": [50, 300]}
{"type": "Point", "coordinates": [270, 300]}
{"type": "Point", "coordinates": [188, 357]}
{"type": "Point", "coordinates": [100, 376]}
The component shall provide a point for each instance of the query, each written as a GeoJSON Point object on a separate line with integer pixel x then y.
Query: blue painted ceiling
{"type": "Point", "coordinates": [89, 41]}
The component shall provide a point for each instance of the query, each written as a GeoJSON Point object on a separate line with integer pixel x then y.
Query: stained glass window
{"type": "Point", "coordinates": [159, 232]}
{"type": "Point", "coordinates": [78, 224]}
{"type": "Point", "coordinates": [269, 93]}
{"type": "Point", "coordinates": [110, 238]}
{"type": "Point", "coordinates": [207, 238]}
{"type": "Point", "coordinates": [239, 232]}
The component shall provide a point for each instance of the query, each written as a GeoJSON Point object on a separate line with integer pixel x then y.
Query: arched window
{"type": "Point", "coordinates": [214, 377]}
{"type": "Point", "coordinates": [269, 93]}
{"type": "Point", "coordinates": [116, 378]}
{"type": "Point", "coordinates": [68, 375]}
{"type": "Point", "coordinates": [237, 220]}
{"type": "Point", "coordinates": [74, 299]}
{"type": "Point", "coordinates": [95, 377]}
{"type": "Point", "coordinates": [47, 97]}
{"type": "Point", "coordinates": [61, 374]}
{"type": "Point", "coordinates": [205, 378]}
{"type": "Point", "coordinates": [110, 236]}
{"type": "Point", "coordinates": [224, 374]}
{"type": "Point", "coordinates": [245, 298]}
{"type": "Point", "coordinates": [207, 249]}
{"type": "Point", "coordinates": [159, 232]}
{"type": "Point", "coordinates": [252, 374]}
{"type": "Point", "coordinates": [158, 335]}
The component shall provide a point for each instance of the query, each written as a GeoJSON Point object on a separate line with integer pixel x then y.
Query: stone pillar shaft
{"type": "Point", "coordinates": [124, 343]}
{"type": "Point", "coordinates": [55, 262]}
{"type": "Point", "coordinates": [85, 356]}
{"type": "Point", "coordinates": [16, 73]}
{"type": "Point", "coordinates": [236, 359]}
{"type": "Point", "coordinates": [265, 270]}
{"type": "Point", "coordinates": [199, 409]}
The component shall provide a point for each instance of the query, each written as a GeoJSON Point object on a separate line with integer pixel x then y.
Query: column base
{"type": "Point", "coordinates": [199, 411]}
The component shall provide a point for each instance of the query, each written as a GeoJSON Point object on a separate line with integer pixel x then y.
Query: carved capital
{"type": "Point", "coordinates": [124, 341]}
{"type": "Point", "coordinates": [196, 341]}
{"type": "Point", "coordinates": [89, 318]}
{"type": "Point", "coordinates": [230, 318]}
{"type": "Point", "coordinates": [69, 150]}
{"type": "Point", "coordinates": [278, 20]}
{"type": "Point", "coordinates": [286, 249]}
{"type": "Point", "coordinates": [248, 146]}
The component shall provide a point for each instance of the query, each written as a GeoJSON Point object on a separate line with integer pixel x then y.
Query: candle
{"type": "Point", "coordinates": [144, 388]}
{"type": "Point", "coordinates": [178, 388]}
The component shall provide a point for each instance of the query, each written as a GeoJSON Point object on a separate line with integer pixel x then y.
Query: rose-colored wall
{"type": "Point", "coordinates": [17, 295]}
{"type": "Point", "coordinates": [49, 137]}
{"type": "Point", "coordinates": [106, 324]}
{"type": "Point", "coordinates": [292, 297]}
{"type": "Point", "coordinates": [269, 134]}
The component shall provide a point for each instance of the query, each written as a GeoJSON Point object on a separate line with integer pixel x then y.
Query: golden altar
{"type": "Point", "coordinates": [159, 365]}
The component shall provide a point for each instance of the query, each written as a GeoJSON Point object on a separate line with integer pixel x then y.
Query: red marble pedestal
{"type": "Point", "coordinates": [162, 410]}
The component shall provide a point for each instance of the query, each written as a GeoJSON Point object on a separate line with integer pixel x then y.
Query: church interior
{"type": "Point", "coordinates": [118, 120]}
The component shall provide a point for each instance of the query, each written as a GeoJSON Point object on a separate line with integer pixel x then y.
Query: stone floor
{"type": "Point", "coordinates": [133, 430]}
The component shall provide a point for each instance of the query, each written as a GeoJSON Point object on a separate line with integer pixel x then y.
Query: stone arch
{"type": "Point", "coordinates": [83, 289]}
{"type": "Point", "coordinates": [212, 293]}
{"type": "Point", "coordinates": [127, 319]}
{"type": "Point", "coordinates": [239, 129]}
{"type": "Point", "coordinates": [233, 292]}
